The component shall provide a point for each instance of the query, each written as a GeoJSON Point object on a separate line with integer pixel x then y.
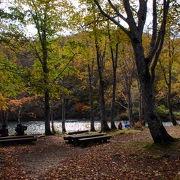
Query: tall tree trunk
{"type": "Point", "coordinates": [90, 71]}
{"type": "Point", "coordinates": [52, 121]}
{"type": "Point", "coordinates": [114, 63]}
{"type": "Point", "coordinates": [47, 113]}
{"type": "Point", "coordinates": [100, 63]}
{"type": "Point", "coordinates": [157, 130]}
{"type": "Point", "coordinates": [63, 114]}
{"type": "Point", "coordinates": [4, 117]}
{"type": "Point", "coordinates": [145, 66]}
{"type": "Point", "coordinates": [113, 101]}
{"type": "Point", "coordinates": [130, 106]}
{"type": "Point", "coordinates": [141, 111]}
{"type": "Point", "coordinates": [171, 116]}
{"type": "Point", "coordinates": [104, 125]}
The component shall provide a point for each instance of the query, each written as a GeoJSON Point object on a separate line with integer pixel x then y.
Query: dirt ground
{"type": "Point", "coordinates": [51, 158]}
{"type": "Point", "coordinates": [34, 160]}
{"type": "Point", "coordinates": [48, 154]}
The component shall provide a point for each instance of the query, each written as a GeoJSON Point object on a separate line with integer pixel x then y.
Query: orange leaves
{"type": "Point", "coordinates": [17, 103]}
{"type": "Point", "coordinates": [79, 107]}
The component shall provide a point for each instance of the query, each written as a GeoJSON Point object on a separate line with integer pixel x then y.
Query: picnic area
{"type": "Point", "coordinates": [129, 154]}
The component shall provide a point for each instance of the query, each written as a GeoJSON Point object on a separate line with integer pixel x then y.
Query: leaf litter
{"type": "Point", "coordinates": [127, 156]}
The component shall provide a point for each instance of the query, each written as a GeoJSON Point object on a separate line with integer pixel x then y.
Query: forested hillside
{"type": "Point", "coordinates": [91, 73]}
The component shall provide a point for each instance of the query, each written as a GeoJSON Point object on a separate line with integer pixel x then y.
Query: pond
{"type": "Point", "coordinates": [37, 127]}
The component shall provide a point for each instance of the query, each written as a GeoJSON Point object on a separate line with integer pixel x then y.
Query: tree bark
{"type": "Point", "coordinates": [158, 132]}
{"type": "Point", "coordinates": [4, 117]}
{"type": "Point", "coordinates": [114, 64]}
{"type": "Point", "coordinates": [141, 110]}
{"type": "Point", "coordinates": [52, 121]}
{"type": "Point", "coordinates": [90, 72]}
{"type": "Point", "coordinates": [47, 114]}
{"type": "Point", "coordinates": [113, 101]}
{"type": "Point", "coordinates": [104, 125]}
{"type": "Point", "coordinates": [63, 114]}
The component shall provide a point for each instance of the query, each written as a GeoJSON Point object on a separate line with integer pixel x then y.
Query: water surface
{"type": "Point", "coordinates": [37, 127]}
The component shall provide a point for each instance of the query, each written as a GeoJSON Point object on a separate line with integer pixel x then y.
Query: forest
{"type": "Point", "coordinates": [91, 60]}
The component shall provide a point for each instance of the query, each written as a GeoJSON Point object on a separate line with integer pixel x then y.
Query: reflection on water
{"type": "Point", "coordinates": [37, 127]}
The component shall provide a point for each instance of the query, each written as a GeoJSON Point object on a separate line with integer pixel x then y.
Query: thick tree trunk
{"type": "Point", "coordinates": [104, 125]}
{"type": "Point", "coordinates": [157, 130]}
{"type": "Point", "coordinates": [145, 65]}
{"type": "Point", "coordinates": [63, 114]}
{"type": "Point", "coordinates": [130, 108]}
{"type": "Point", "coordinates": [47, 113]}
{"type": "Point", "coordinates": [90, 71]}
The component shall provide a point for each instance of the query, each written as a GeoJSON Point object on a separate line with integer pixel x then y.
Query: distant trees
{"type": "Point", "coordinates": [11, 79]}
{"type": "Point", "coordinates": [87, 73]}
{"type": "Point", "coordinates": [170, 54]}
{"type": "Point", "coordinates": [49, 19]}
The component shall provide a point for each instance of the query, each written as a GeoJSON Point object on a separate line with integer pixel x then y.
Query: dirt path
{"type": "Point", "coordinates": [51, 151]}
{"type": "Point", "coordinates": [48, 153]}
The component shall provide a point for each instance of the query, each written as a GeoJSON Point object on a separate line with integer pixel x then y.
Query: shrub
{"type": "Point", "coordinates": [161, 109]}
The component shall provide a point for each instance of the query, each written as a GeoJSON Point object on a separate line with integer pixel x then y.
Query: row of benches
{"type": "Point", "coordinates": [86, 139]}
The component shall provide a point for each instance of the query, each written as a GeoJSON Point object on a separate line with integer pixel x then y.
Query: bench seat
{"type": "Point", "coordinates": [16, 139]}
{"type": "Point", "coordinates": [73, 138]}
{"type": "Point", "coordinates": [97, 139]}
{"type": "Point", "coordinates": [78, 132]}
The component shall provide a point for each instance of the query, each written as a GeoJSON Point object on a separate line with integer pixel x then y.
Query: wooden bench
{"type": "Point", "coordinates": [14, 137]}
{"type": "Point", "coordinates": [78, 132]}
{"type": "Point", "coordinates": [73, 138]}
{"type": "Point", "coordinates": [89, 140]}
{"type": "Point", "coordinates": [17, 139]}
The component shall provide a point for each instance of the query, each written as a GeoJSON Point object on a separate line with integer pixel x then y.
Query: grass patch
{"type": "Point", "coordinates": [167, 147]}
{"type": "Point", "coordinates": [176, 113]}
{"type": "Point", "coordinates": [124, 131]}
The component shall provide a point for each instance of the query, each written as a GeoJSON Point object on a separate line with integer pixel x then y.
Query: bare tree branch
{"type": "Point", "coordinates": [160, 40]}
{"type": "Point", "coordinates": [130, 18]}
{"type": "Point", "coordinates": [111, 18]}
{"type": "Point", "coordinates": [142, 15]}
{"type": "Point", "coordinates": [117, 12]}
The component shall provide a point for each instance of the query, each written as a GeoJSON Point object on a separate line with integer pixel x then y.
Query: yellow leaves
{"type": "Point", "coordinates": [3, 102]}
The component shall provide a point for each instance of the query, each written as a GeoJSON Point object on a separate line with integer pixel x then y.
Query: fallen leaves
{"type": "Point", "coordinates": [125, 157]}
